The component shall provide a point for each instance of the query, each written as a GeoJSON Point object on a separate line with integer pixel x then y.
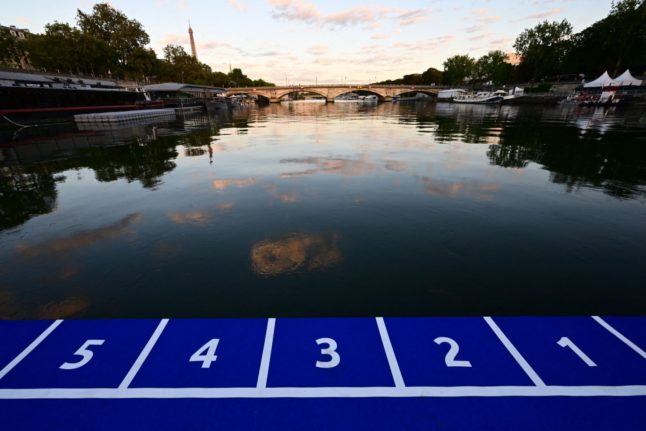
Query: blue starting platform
{"type": "Point", "coordinates": [325, 373]}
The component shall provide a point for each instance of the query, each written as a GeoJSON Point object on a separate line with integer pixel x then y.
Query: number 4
{"type": "Point", "coordinates": [206, 354]}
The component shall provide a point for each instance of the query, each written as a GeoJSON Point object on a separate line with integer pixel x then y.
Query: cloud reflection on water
{"type": "Point", "coordinates": [224, 184]}
{"type": "Point", "coordinates": [295, 252]}
{"type": "Point", "coordinates": [79, 240]}
{"type": "Point", "coordinates": [196, 217]}
{"type": "Point", "coordinates": [333, 165]}
{"type": "Point", "coordinates": [467, 188]}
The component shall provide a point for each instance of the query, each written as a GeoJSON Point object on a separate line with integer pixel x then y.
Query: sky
{"type": "Point", "coordinates": [306, 41]}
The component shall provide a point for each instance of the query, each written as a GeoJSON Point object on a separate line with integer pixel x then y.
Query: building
{"type": "Point", "coordinates": [21, 34]}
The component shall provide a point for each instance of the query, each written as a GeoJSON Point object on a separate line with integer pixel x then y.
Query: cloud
{"type": "Point", "coordinates": [238, 5]}
{"type": "Point", "coordinates": [546, 14]}
{"type": "Point", "coordinates": [412, 17]}
{"type": "Point", "coordinates": [482, 16]}
{"type": "Point", "coordinates": [302, 10]}
{"type": "Point", "coordinates": [318, 49]}
{"type": "Point", "coordinates": [380, 36]}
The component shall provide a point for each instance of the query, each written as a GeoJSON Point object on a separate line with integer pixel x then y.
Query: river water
{"type": "Point", "coordinates": [324, 210]}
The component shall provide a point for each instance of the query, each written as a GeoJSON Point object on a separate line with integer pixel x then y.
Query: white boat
{"type": "Point", "coordinates": [481, 97]}
{"type": "Point", "coordinates": [450, 95]}
{"type": "Point", "coordinates": [416, 98]}
{"type": "Point", "coordinates": [356, 98]}
{"type": "Point", "coordinates": [306, 100]}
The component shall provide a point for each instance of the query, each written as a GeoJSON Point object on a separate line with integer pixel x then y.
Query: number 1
{"type": "Point", "coordinates": [566, 342]}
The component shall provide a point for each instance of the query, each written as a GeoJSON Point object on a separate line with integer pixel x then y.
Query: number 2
{"type": "Point", "coordinates": [449, 359]}
{"type": "Point", "coordinates": [85, 354]}
{"type": "Point", "coordinates": [335, 359]}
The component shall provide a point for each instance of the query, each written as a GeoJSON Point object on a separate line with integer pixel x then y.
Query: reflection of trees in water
{"type": "Point", "coordinates": [470, 124]}
{"type": "Point", "coordinates": [611, 161]}
{"type": "Point", "coordinates": [579, 148]}
{"type": "Point", "coordinates": [145, 163]}
{"type": "Point", "coordinates": [28, 169]}
{"type": "Point", "coordinates": [24, 195]}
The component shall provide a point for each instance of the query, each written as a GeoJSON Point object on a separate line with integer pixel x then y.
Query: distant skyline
{"type": "Point", "coordinates": [303, 41]}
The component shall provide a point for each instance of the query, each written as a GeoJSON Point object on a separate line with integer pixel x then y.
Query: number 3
{"type": "Point", "coordinates": [335, 359]}
{"type": "Point", "coordinates": [85, 354]}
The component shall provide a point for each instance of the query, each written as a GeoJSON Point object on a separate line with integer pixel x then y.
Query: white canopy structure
{"type": "Point", "coordinates": [602, 81]}
{"type": "Point", "coordinates": [605, 80]}
{"type": "Point", "coordinates": [627, 79]}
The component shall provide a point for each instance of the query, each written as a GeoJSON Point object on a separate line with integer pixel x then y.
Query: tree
{"type": "Point", "coordinates": [458, 68]}
{"type": "Point", "coordinates": [543, 48]}
{"type": "Point", "coordinates": [125, 36]}
{"type": "Point", "coordinates": [493, 67]}
{"type": "Point", "coordinates": [432, 76]}
{"type": "Point", "coordinates": [615, 43]}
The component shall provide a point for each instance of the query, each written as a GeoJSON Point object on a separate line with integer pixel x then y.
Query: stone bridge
{"type": "Point", "coordinates": [330, 92]}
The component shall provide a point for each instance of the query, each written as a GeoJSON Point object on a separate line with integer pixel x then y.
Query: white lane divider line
{"type": "Point", "coordinates": [143, 355]}
{"type": "Point", "coordinates": [621, 336]}
{"type": "Point", "coordinates": [10, 366]}
{"type": "Point", "coordinates": [329, 392]}
{"type": "Point", "coordinates": [266, 353]}
{"type": "Point", "coordinates": [390, 353]}
{"type": "Point", "coordinates": [514, 352]}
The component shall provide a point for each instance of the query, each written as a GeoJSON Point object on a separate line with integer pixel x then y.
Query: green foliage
{"type": "Point", "coordinates": [493, 67]}
{"type": "Point", "coordinates": [431, 76]}
{"type": "Point", "coordinates": [66, 49]}
{"type": "Point", "coordinates": [458, 68]}
{"type": "Point", "coordinates": [543, 48]}
{"type": "Point", "coordinates": [122, 34]}
{"type": "Point", "coordinates": [615, 43]}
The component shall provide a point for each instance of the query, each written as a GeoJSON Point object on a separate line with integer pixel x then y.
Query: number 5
{"type": "Point", "coordinates": [85, 354]}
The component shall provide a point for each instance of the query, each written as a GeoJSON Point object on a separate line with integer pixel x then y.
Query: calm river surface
{"type": "Point", "coordinates": [324, 210]}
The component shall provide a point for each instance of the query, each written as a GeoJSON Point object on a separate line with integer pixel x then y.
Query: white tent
{"type": "Point", "coordinates": [602, 81]}
{"type": "Point", "coordinates": [627, 79]}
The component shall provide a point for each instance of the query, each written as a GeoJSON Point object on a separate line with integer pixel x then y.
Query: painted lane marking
{"type": "Point", "coordinates": [143, 355]}
{"type": "Point", "coordinates": [390, 353]}
{"type": "Point", "coordinates": [566, 342]}
{"type": "Point", "coordinates": [266, 353]}
{"type": "Point", "coordinates": [514, 352]}
{"type": "Point", "coordinates": [331, 392]}
{"type": "Point", "coordinates": [29, 348]}
{"type": "Point", "coordinates": [621, 336]}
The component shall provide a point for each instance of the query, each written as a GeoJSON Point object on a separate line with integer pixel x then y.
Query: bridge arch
{"type": "Point", "coordinates": [381, 95]}
{"type": "Point", "coordinates": [330, 92]}
{"type": "Point", "coordinates": [281, 94]}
